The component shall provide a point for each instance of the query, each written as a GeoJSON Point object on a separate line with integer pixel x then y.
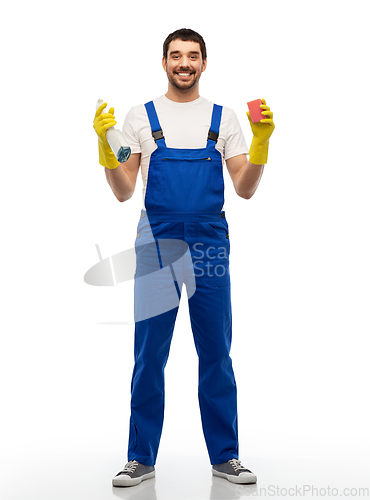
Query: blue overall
{"type": "Point", "coordinates": [183, 201]}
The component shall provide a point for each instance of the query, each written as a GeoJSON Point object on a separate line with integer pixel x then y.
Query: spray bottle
{"type": "Point", "coordinates": [116, 141]}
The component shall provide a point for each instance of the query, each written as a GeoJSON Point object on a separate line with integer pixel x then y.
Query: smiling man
{"type": "Point", "coordinates": [181, 141]}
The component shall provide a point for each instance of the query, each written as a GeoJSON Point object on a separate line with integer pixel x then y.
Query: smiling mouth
{"type": "Point", "coordinates": [183, 74]}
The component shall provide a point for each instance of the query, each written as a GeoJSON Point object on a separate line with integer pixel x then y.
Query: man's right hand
{"type": "Point", "coordinates": [102, 122]}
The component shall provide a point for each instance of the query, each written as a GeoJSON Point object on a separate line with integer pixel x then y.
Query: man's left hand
{"type": "Point", "coordinates": [262, 131]}
{"type": "Point", "coordinates": [259, 129]}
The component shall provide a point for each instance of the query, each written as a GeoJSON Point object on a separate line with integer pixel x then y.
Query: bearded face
{"type": "Point", "coordinates": [184, 64]}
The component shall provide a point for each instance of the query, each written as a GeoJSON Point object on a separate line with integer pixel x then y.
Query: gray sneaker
{"type": "Point", "coordinates": [133, 473]}
{"type": "Point", "coordinates": [234, 472]}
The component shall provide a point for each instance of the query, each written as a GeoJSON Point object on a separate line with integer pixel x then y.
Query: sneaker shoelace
{"type": "Point", "coordinates": [130, 467]}
{"type": "Point", "coordinates": [238, 466]}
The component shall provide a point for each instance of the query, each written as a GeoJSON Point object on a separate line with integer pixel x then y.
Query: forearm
{"type": "Point", "coordinates": [120, 183]}
{"type": "Point", "coordinates": [248, 180]}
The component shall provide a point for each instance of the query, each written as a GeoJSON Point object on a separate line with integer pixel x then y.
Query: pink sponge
{"type": "Point", "coordinates": [255, 110]}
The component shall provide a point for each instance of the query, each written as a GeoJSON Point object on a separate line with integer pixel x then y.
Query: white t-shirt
{"type": "Point", "coordinates": [185, 126]}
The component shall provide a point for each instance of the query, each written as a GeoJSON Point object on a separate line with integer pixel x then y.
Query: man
{"type": "Point", "coordinates": [180, 141]}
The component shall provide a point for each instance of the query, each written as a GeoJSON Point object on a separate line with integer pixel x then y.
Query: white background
{"type": "Point", "coordinates": [299, 247]}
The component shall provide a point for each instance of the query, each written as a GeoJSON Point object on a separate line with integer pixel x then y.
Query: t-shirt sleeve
{"type": "Point", "coordinates": [235, 143]}
{"type": "Point", "coordinates": [130, 133]}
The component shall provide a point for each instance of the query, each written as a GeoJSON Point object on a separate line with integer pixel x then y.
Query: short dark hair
{"type": "Point", "coordinates": [185, 35]}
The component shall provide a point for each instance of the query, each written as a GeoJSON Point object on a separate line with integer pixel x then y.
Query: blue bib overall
{"type": "Point", "coordinates": [184, 200]}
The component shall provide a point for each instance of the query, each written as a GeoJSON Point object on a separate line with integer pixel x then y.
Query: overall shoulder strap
{"type": "Point", "coordinates": [215, 125]}
{"type": "Point", "coordinates": [157, 132]}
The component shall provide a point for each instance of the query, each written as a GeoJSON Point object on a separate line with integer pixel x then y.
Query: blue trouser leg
{"type": "Point", "coordinates": [211, 321]}
{"type": "Point", "coordinates": [152, 344]}
{"type": "Point", "coordinates": [153, 335]}
{"type": "Point", "coordinates": [217, 388]}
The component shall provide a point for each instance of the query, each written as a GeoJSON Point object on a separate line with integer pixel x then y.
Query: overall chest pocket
{"type": "Point", "coordinates": [188, 159]}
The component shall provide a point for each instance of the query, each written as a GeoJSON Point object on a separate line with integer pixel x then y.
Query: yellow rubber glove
{"type": "Point", "coordinates": [261, 135]}
{"type": "Point", "coordinates": [102, 122]}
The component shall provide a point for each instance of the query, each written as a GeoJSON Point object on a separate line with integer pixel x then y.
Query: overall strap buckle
{"type": "Point", "coordinates": [157, 131]}
{"type": "Point", "coordinates": [214, 129]}
{"type": "Point", "coordinates": [212, 135]}
{"type": "Point", "coordinates": [158, 135]}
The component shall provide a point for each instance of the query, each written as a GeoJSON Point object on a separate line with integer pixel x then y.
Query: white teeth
{"type": "Point", "coordinates": [184, 74]}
